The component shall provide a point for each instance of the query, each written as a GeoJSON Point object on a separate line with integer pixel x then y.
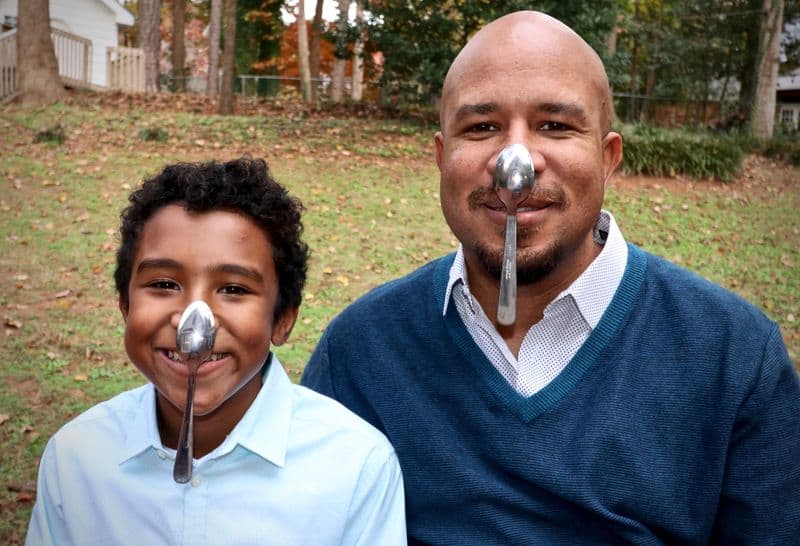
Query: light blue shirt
{"type": "Point", "coordinates": [298, 468]}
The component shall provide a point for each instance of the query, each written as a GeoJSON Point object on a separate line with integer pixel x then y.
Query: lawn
{"type": "Point", "coordinates": [369, 186]}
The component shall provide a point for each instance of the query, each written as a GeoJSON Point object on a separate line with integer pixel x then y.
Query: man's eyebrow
{"type": "Point", "coordinates": [563, 108]}
{"type": "Point", "coordinates": [235, 269]}
{"type": "Point", "coordinates": [480, 109]}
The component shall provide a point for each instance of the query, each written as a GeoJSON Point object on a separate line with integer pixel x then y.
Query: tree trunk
{"type": "Point", "coordinates": [314, 46]}
{"type": "Point", "coordinates": [358, 58]}
{"type": "Point", "coordinates": [302, 52]}
{"type": "Point", "coordinates": [149, 33]}
{"type": "Point", "coordinates": [228, 57]}
{"type": "Point", "coordinates": [762, 122]}
{"type": "Point", "coordinates": [178, 47]}
{"type": "Point", "coordinates": [214, 24]}
{"type": "Point", "coordinates": [337, 90]}
{"type": "Point", "coordinates": [37, 65]}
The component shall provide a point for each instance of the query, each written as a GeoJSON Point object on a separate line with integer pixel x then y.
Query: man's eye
{"type": "Point", "coordinates": [482, 127]}
{"type": "Point", "coordinates": [234, 290]}
{"type": "Point", "coordinates": [162, 284]}
{"type": "Point", "coordinates": [555, 126]}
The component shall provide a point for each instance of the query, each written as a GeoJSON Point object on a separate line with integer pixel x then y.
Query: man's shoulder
{"type": "Point", "coordinates": [415, 286]}
{"type": "Point", "coordinates": [683, 290]}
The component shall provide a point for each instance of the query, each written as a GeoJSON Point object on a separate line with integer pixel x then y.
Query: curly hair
{"type": "Point", "coordinates": [243, 186]}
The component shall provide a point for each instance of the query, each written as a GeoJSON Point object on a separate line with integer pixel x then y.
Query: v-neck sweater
{"type": "Point", "coordinates": [676, 421]}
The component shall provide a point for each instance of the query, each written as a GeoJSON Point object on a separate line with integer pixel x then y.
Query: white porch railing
{"type": "Point", "coordinates": [73, 53]}
{"type": "Point", "coordinates": [125, 69]}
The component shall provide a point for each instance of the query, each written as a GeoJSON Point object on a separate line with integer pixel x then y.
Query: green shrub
{"type": "Point", "coordinates": [783, 147]}
{"type": "Point", "coordinates": [153, 134]}
{"type": "Point", "coordinates": [669, 152]}
{"type": "Point", "coordinates": [51, 135]}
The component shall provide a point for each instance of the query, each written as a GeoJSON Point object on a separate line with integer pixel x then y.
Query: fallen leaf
{"type": "Point", "coordinates": [4, 417]}
{"type": "Point", "coordinates": [63, 293]}
{"type": "Point", "coordinates": [10, 322]}
{"type": "Point", "coordinates": [80, 377]}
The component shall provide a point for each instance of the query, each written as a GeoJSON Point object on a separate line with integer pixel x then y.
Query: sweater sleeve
{"type": "Point", "coordinates": [760, 501]}
{"type": "Point", "coordinates": [317, 374]}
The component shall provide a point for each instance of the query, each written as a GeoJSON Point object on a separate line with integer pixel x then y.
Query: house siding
{"type": "Point", "coordinates": [90, 19]}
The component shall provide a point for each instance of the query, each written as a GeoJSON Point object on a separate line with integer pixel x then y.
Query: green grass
{"type": "Point", "coordinates": [372, 213]}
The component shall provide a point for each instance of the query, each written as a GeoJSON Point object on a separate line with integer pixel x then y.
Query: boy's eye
{"type": "Point", "coordinates": [163, 284]}
{"type": "Point", "coordinates": [234, 290]}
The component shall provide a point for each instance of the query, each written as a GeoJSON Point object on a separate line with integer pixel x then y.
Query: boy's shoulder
{"type": "Point", "coordinates": [328, 421]}
{"type": "Point", "coordinates": [105, 427]}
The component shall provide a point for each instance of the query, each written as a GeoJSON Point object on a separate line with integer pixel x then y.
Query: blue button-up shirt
{"type": "Point", "coordinates": [298, 468]}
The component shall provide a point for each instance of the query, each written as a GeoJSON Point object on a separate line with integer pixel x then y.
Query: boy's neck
{"type": "Point", "coordinates": [209, 430]}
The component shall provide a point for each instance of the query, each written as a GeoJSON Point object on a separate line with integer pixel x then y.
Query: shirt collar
{"type": "Point", "coordinates": [595, 287]}
{"type": "Point", "coordinates": [263, 429]}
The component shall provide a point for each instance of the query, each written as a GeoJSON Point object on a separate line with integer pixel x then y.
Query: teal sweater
{"type": "Point", "coordinates": [678, 421]}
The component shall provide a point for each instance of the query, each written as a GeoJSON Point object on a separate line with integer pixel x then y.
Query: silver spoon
{"type": "Point", "coordinates": [513, 182]}
{"type": "Point", "coordinates": [195, 340]}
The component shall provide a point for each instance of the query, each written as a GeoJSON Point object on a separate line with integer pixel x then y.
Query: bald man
{"type": "Point", "coordinates": [631, 402]}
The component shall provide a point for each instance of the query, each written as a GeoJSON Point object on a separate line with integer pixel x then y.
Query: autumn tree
{"type": "Point", "coordinates": [178, 47]}
{"type": "Point", "coordinates": [314, 46]}
{"type": "Point", "coordinates": [302, 52]}
{"type": "Point", "coordinates": [148, 25]}
{"type": "Point", "coordinates": [341, 53]}
{"type": "Point", "coordinates": [39, 82]}
{"type": "Point", "coordinates": [762, 119]}
{"type": "Point", "coordinates": [226, 98]}
{"type": "Point", "coordinates": [214, 26]}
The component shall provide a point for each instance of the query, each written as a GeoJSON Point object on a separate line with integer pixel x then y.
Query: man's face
{"type": "Point", "coordinates": [532, 88]}
{"type": "Point", "coordinates": [225, 260]}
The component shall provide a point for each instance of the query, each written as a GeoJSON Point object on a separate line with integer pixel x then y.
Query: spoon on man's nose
{"type": "Point", "coordinates": [195, 341]}
{"type": "Point", "coordinates": [513, 182]}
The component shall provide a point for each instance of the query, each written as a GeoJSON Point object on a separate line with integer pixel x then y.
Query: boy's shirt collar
{"type": "Point", "coordinates": [267, 438]}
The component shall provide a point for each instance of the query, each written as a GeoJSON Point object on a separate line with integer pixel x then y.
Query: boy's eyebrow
{"type": "Point", "coordinates": [234, 269]}
{"type": "Point", "coordinates": [239, 270]}
{"type": "Point", "coordinates": [158, 263]}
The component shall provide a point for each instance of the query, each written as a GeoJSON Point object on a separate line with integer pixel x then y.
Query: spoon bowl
{"type": "Point", "coordinates": [195, 341]}
{"type": "Point", "coordinates": [513, 180]}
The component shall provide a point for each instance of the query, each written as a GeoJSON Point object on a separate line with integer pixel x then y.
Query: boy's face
{"type": "Point", "coordinates": [225, 260]}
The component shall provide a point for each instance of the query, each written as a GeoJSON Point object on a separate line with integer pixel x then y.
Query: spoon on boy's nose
{"type": "Point", "coordinates": [195, 340]}
{"type": "Point", "coordinates": [513, 182]}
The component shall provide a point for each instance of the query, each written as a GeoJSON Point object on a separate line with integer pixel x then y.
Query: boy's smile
{"type": "Point", "coordinates": [224, 259]}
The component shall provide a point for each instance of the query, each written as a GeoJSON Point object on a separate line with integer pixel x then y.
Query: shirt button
{"type": "Point", "coordinates": [196, 481]}
{"type": "Point", "coordinates": [161, 455]}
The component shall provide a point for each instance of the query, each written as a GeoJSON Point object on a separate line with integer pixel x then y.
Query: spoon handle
{"type": "Point", "coordinates": [507, 302]}
{"type": "Point", "coordinates": [182, 472]}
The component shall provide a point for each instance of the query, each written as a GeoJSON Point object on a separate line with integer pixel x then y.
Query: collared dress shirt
{"type": "Point", "coordinates": [568, 320]}
{"type": "Point", "coordinates": [298, 468]}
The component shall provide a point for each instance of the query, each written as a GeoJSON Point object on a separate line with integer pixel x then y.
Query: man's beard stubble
{"type": "Point", "coordinates": [530, 268]}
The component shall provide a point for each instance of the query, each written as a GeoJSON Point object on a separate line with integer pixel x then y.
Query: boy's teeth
{"type": "Point", "coordinates": [176, 356]}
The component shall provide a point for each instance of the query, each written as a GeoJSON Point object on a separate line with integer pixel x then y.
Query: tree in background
{"type": "Point", "coordinates": [258, 33]}
{"type": "Point", "coordinates": [358, 56]}
{"type": "Point", "coordinates": [226, 98]}
{"type": "Point", "coordinates": [302, 52]}
{"type": "Point", "coordinates": [178, 47]}
{"type": "Point", "coordinates": [762, 118]}
{"type": "Point", "coordinates": [214, 26]}
{"type": "Point", "coordinates": [314, 46]}
{"type": "Point", "coordinates": [37, 66]}
{"type": "Point", "coordinates": [420, 39]}
{"type": "Point", "coordinates": [148, 24]}
{"type": "Point", "coordinates": [341, 52]}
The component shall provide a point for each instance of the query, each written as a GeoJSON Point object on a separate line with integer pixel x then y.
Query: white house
{"type": "Point", "coordinates": [95, 20]}
{"type": "Point", "coordinates": [787, 109]}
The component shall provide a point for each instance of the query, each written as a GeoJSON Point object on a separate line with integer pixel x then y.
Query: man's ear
{"type": "Point", "coordinates": [283, 326]}
{"type": "Point", "coordinates": [123, 308]}
{"type": "Point", "coordinates": [438, 143]}
{"type": "Point", "coordinates": [612, 154]}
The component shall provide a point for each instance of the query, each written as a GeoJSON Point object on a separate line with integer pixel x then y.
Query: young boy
{"type": "Point", "coordinates": [274, 462]}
